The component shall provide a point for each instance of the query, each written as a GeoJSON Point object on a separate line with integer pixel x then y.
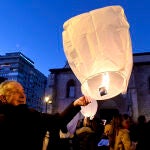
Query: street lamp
{"type": "Point", "coordinates": [47, 101]}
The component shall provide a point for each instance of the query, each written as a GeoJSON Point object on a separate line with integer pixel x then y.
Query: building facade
{"type": "Point", "coordinates": [63, 87]}
{"type": "Point", "coordinates": [16, 66]}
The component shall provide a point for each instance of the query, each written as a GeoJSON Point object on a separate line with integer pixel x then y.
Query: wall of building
{"type": "Point", "coordinates": [58, 85]}
{"type": "Point", "coordinates": [142, 84]}
{"type": "Point", "coordinates": [135, 102]}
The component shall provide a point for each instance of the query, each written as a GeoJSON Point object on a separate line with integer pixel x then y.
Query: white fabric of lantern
{"type": "Point", "coordinates": [90, 109]}
{"type": "Point", "coordinates": [97, 45]}
{"type": "Point", "coordinates": [71, 126]}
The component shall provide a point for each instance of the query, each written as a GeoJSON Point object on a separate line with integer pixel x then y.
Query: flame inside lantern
{"type": "Point", "coordinates": [103, 85]}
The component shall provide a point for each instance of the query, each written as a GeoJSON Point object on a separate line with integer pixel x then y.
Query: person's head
{"type": "Point", "coordinates": [12, 92]}
{"type": "Point", "coordinates": [141, 119]}
{"type": "Point", "coordinates": [125, 121]}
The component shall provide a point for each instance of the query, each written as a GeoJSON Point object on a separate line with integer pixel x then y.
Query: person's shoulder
{"type": "Point", "coordinates": [4, 108]}
{"type": "Point", "coordinates": [123, 132]}
{"type": "Point", "coordinates": [2, 117]}
{"type": "Point", "coordinates": [32, 110]}
{"type": "Point", "coordinates": [24, 109]}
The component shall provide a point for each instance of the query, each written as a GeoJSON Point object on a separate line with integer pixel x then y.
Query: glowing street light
{"type": "Point", "coordinates": [47, 100]}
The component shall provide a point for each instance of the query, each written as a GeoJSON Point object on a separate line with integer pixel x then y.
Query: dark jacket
{"type": "Point", "coordinates": [22, 128]}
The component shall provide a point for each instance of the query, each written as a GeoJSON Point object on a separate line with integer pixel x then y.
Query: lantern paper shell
{"type": "Point", "coordinates": [90, 109]}
{"type": "Point", "coordinates": [97, 45]}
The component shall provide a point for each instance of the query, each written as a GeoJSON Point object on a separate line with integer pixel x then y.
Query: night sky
{"type": "Point", "coordinates": [34, 27]}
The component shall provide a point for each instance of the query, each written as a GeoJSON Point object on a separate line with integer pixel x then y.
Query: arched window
{"type": "Point", "coordinates": [70, 89]}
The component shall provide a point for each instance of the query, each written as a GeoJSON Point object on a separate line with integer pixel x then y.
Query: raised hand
{"type": "Point", "coordinates": [82, 101]}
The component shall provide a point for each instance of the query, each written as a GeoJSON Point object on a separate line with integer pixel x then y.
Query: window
{"type": "Point", "coordinates": [70, 93]}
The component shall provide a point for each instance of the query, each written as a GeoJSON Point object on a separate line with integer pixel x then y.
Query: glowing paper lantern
{"type": "Point", "coordinates": [98, 47]}
{"type": "Point", "coordinates": [90, 110]}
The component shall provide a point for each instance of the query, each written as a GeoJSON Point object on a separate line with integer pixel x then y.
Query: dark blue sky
{"type": "Point", "coordinates": [35, 27]}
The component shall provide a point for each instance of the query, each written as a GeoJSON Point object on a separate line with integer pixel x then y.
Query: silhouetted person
{"type": "Point", "coordinates": [142, 133]}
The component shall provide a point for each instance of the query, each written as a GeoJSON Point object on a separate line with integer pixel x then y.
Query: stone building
{"type": "Point", "coordinates": [63, 87]}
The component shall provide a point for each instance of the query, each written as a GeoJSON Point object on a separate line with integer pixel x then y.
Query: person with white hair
{"type": "Point", "coordinates": [23, 128]}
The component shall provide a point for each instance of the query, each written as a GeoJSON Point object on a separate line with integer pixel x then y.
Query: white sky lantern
{"type": "Point", "coordinates": [98, 47]}
{"type": "Point", "coordinates": [90, 110]}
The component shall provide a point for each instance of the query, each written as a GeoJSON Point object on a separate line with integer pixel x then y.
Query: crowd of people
{"type": "Point", "coordinates": [121, 132]}
{"type": "Point", "coordinates": [125, 134]}
{"type": "Point", "coordinates": [23, 128]}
